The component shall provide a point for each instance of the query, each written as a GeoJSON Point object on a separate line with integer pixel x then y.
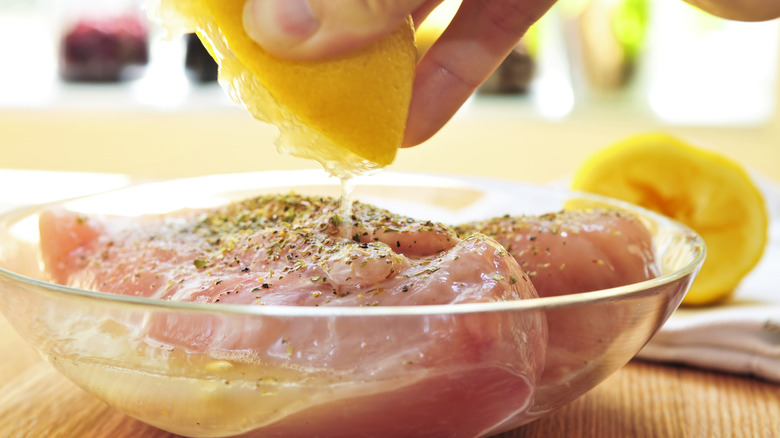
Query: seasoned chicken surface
{"type": "Point", "coordinates": [478, 370]}
{"type": "Point", "coordinates": [360, 375]}
{"type": "Point", "coordinates": [281, 250]}
{"type": "Point", "coordinates": [574, 251]}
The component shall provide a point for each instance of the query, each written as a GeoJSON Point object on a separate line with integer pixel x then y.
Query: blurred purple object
{"type": "Point", "coordinates": [101, 50]}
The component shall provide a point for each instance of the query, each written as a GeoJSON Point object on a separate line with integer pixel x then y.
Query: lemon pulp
{"type": "Point", "coordinates": [349, 113]}
{"type": "Point", "coordinates": [705, 190]}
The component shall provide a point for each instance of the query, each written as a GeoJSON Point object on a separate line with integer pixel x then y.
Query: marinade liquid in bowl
{"type": "Point", "coordinates": [466, 369]}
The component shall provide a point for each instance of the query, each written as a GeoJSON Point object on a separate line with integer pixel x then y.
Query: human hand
{"type": "Point", "coordinates": [472, 47]}
{"type": "Point", "coordinates": [480, 36]}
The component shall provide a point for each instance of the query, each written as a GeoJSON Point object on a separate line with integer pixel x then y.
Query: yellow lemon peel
{"type": "Point", "coordinates": [349, 112]}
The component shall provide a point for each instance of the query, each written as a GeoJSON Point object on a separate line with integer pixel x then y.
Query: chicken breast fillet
{"type": "Point", "coordinates": [473, 372]}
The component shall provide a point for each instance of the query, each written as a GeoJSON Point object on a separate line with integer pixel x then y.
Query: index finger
{"type": "Point", "coordinates": [480, 36]}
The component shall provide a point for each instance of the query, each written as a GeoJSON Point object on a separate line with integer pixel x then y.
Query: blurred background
{"type": "Point", "coordinates": [90, 85]}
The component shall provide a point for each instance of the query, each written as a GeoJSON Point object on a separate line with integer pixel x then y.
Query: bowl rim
{"type": "Point", "coordinates": [540, 303]}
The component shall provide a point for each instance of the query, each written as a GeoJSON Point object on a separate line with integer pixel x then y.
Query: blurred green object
{"type": "Point", "coordinates": [532, 39]}
{"type": "Point", "coordinates": [629, 23]}
{"type": "Point", "coordinates": [605, 40]}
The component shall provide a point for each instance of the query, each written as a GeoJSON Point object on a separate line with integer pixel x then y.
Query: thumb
{"type": "Point", "coordinates": [313, 29]}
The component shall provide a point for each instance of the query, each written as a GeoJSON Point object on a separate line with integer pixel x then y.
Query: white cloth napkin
{"type": "Point", "coordinates": [741, 336]}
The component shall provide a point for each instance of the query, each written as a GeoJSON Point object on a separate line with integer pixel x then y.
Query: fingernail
{"type": "Point", "coordinates": [279, 22]}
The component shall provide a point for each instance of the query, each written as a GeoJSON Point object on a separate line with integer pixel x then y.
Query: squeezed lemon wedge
{"type": "Point", "coordinates": [707, 191]}
{"type": "Point", "coordinates": [349, 113]}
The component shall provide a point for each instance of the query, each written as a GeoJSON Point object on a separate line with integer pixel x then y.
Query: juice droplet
{"type": "Point", "coordinates": [345, 205]}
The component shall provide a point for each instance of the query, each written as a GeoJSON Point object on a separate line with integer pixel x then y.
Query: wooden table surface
{"type": "Point", "coordinates": [641, 400]}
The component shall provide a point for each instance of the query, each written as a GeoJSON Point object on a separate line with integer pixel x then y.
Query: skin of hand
{"type": "Point", "coordinates": [480, 36]}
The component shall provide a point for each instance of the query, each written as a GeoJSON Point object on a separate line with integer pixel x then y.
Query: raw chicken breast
{"type": "Point", "coordinates": [438, 374]}
{"type": "Point", "coordinates": [572, 252]}
{"type": "Point", "coordinates": [289, 250]}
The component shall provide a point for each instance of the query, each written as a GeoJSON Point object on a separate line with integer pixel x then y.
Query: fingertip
{"type": "Point", "coordinates": [418, 132]}
{"type": "Point", "coordinates": [279, 25]}
{"type": "Point", "coordinates": [413, 139]}
{"type": "Point", "coordinates": [306, 30]}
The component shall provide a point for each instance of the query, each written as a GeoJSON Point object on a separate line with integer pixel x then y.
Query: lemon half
{"type": "Point", "coordinates": [349, 113]}
{"type": "Point", "coordinates": [707, 191]}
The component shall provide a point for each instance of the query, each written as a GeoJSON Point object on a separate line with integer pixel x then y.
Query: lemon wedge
{"type": "Point", "coordinates": [707, 191]}
{"type": "Point", "coordinates": [349, 113]}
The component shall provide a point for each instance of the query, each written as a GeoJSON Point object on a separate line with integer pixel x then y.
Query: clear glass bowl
{"type": "Point", "coordinates": [102, 342]}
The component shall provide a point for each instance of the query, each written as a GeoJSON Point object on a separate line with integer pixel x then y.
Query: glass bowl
{"type": "Point", "coordinates": [250, 377]}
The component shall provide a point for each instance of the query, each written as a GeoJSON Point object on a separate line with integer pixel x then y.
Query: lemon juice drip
{"type": "Point", "coordinates": [345, 204]}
